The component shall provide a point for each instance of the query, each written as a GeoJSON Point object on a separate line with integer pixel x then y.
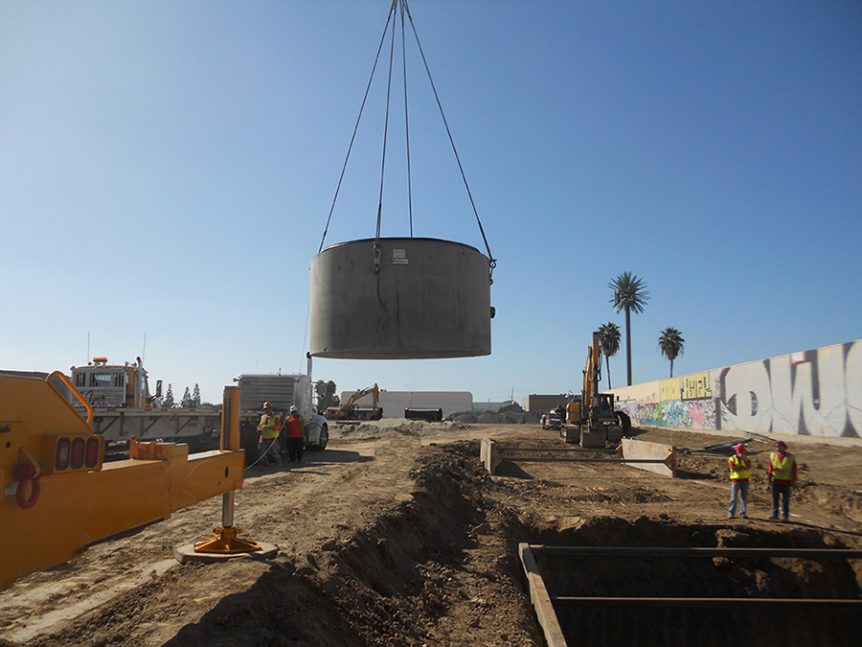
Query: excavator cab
{"type": "Point", "coordinates": [605, 402]}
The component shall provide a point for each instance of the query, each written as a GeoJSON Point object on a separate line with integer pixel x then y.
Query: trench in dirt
{"type": "Point", "coordinates": [397, 583]}
{"type": "Point", "coordinates": [703, 577]}
{"type": "Point", "coordinates": [443, 569]}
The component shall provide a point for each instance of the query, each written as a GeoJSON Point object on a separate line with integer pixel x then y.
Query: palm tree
{"type": "Point", "coordinates": [672, 344]}
{"type": "Point", "coordinates": [609, 335]}
{"type": "Point", "coordinates": [629, 294]}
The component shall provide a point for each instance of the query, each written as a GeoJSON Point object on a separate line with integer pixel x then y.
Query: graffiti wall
{"type": "Point", "coordinates": [814, 392]}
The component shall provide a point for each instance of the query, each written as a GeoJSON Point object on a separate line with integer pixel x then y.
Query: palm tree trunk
{"type": "Point", "coordinates": [608, 364]}
{"type": "Point", "coordinates": [671, 368]}
{"type": "Point", "coordinates": [629, 344]}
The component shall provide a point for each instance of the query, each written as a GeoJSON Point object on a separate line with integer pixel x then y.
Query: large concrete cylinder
{"type": "Point", "coordinates": [419, 298]}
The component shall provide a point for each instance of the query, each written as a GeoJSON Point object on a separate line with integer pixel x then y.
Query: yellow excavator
{"type": "Point", "coordinates": [350, 411]}
{"type": "Point", "coordinates": [590, 417]}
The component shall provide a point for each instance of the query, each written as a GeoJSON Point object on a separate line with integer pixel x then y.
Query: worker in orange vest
{"type": "Point", "coordinates": [295, 437]}
{"type": "Point", "coordinates": [269, 429]}
{"type": "Point", "coordinates": [782, 473]}
{"type": "Point", "coordinates": [740, 474]}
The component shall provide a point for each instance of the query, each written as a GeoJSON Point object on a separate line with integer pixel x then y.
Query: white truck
{"type": "Point", "coordinates": [282, 392]}
{"type": "Point", "coordinates": [124, 406]}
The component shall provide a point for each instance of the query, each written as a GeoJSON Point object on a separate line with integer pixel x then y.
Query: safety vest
{"type": "Point", "coordinates": [740, 468]}
{"type": "Point", "coordinates": [269, 426]}
{"type": "Point", "coordinates": [294, 427]}
{"type": "Point", "coordinates": [782, 468]}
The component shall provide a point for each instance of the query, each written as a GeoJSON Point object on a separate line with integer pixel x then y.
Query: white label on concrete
{"type": "Point", "coordinates": [399, 257]}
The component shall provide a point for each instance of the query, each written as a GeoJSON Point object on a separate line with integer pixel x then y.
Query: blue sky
{"type": "Point", "coordinates": [166, 169]}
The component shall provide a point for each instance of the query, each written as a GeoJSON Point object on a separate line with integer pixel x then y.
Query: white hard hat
{"type": "Point", "coordinates": [293, 409]}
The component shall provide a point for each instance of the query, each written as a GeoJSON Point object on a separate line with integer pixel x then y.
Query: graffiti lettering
{"type": "Point", "coordinates": [696, 387]}
{"type": "Point", "coordinates": [815, 392]}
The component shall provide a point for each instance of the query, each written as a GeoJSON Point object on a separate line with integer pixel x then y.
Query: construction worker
{"type": "Point", "coordinates": [740, 474]}
{"type": "Point", "coordinates": [295, 437]}
{"type": "Point", "coordinates": [782, 474]}
{"type": "Point", "coordinates": [269, 429]}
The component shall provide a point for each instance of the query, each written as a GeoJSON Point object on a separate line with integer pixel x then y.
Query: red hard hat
{"type": "Point", "coordinates": [780, 443]}
{"type": "Point", "coordinates": [267, 405]}
{"type": "Point", "coordinates": [739, 447]}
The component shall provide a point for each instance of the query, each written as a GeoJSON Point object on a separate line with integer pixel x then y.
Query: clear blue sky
{"type": "Point", "coordinates": [166, 169]}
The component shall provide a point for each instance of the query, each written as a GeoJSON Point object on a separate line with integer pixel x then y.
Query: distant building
{"type": "Point", "coordinates": [394, 402]}
{"type": "Point", "coordinates": [489, 405]}
{"type": "Point", "coordinates": [538, 403]}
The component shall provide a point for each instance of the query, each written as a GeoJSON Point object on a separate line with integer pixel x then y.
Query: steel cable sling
{"type": "Point", "coordinates": [492, 262]}
{"type": "Point", "coordinates": [404, 10]}
{"type": "Point", "coordinates": [356, 126]}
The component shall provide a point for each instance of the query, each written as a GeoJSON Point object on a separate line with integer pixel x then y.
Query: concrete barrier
{"type": "Point", "coordinates": [654, 457]}
{"type": "Point", "coordinates": [637, 450]}
{"type": "Point", "coordinates": [490, 455]}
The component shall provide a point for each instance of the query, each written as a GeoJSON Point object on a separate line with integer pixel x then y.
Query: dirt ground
{"type": "Point", "coordinates": [395, 535]}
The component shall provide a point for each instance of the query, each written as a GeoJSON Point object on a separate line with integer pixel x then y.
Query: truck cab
{"type": "Point", "coordinates": [109, 386]}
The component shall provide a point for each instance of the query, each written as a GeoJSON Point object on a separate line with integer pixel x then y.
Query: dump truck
{"type": "Point", "coordinates": [590, 417]}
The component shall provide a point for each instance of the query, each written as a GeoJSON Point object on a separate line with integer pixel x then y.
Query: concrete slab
{"type": "Point", "coordinates": [490, 455]}
{"type": "Point", "coordinates": [641, 449]}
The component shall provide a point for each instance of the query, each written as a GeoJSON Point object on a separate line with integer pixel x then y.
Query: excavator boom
{"type": "Point", "coordinates": [349, 410]}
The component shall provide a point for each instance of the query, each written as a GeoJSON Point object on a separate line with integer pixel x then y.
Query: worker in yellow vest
{"type": "Point", "coordinates": [740, 474]}
{"type": "Point", "coordinates": [782, 475]}
{"type": "Point", "coordinates": [269, 429]}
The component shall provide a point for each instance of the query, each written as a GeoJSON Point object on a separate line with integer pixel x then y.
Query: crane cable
{"type": "Point", "coordinates": [385, 129]}
{"type": "Point", "coordinates": [491, 260]}
{"type": "Point", "coordinates": [405, 9]}
{"type": "Point", "coordinates": [406, 124]}
{"type": "Point", "coordinates": [356, 126]}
